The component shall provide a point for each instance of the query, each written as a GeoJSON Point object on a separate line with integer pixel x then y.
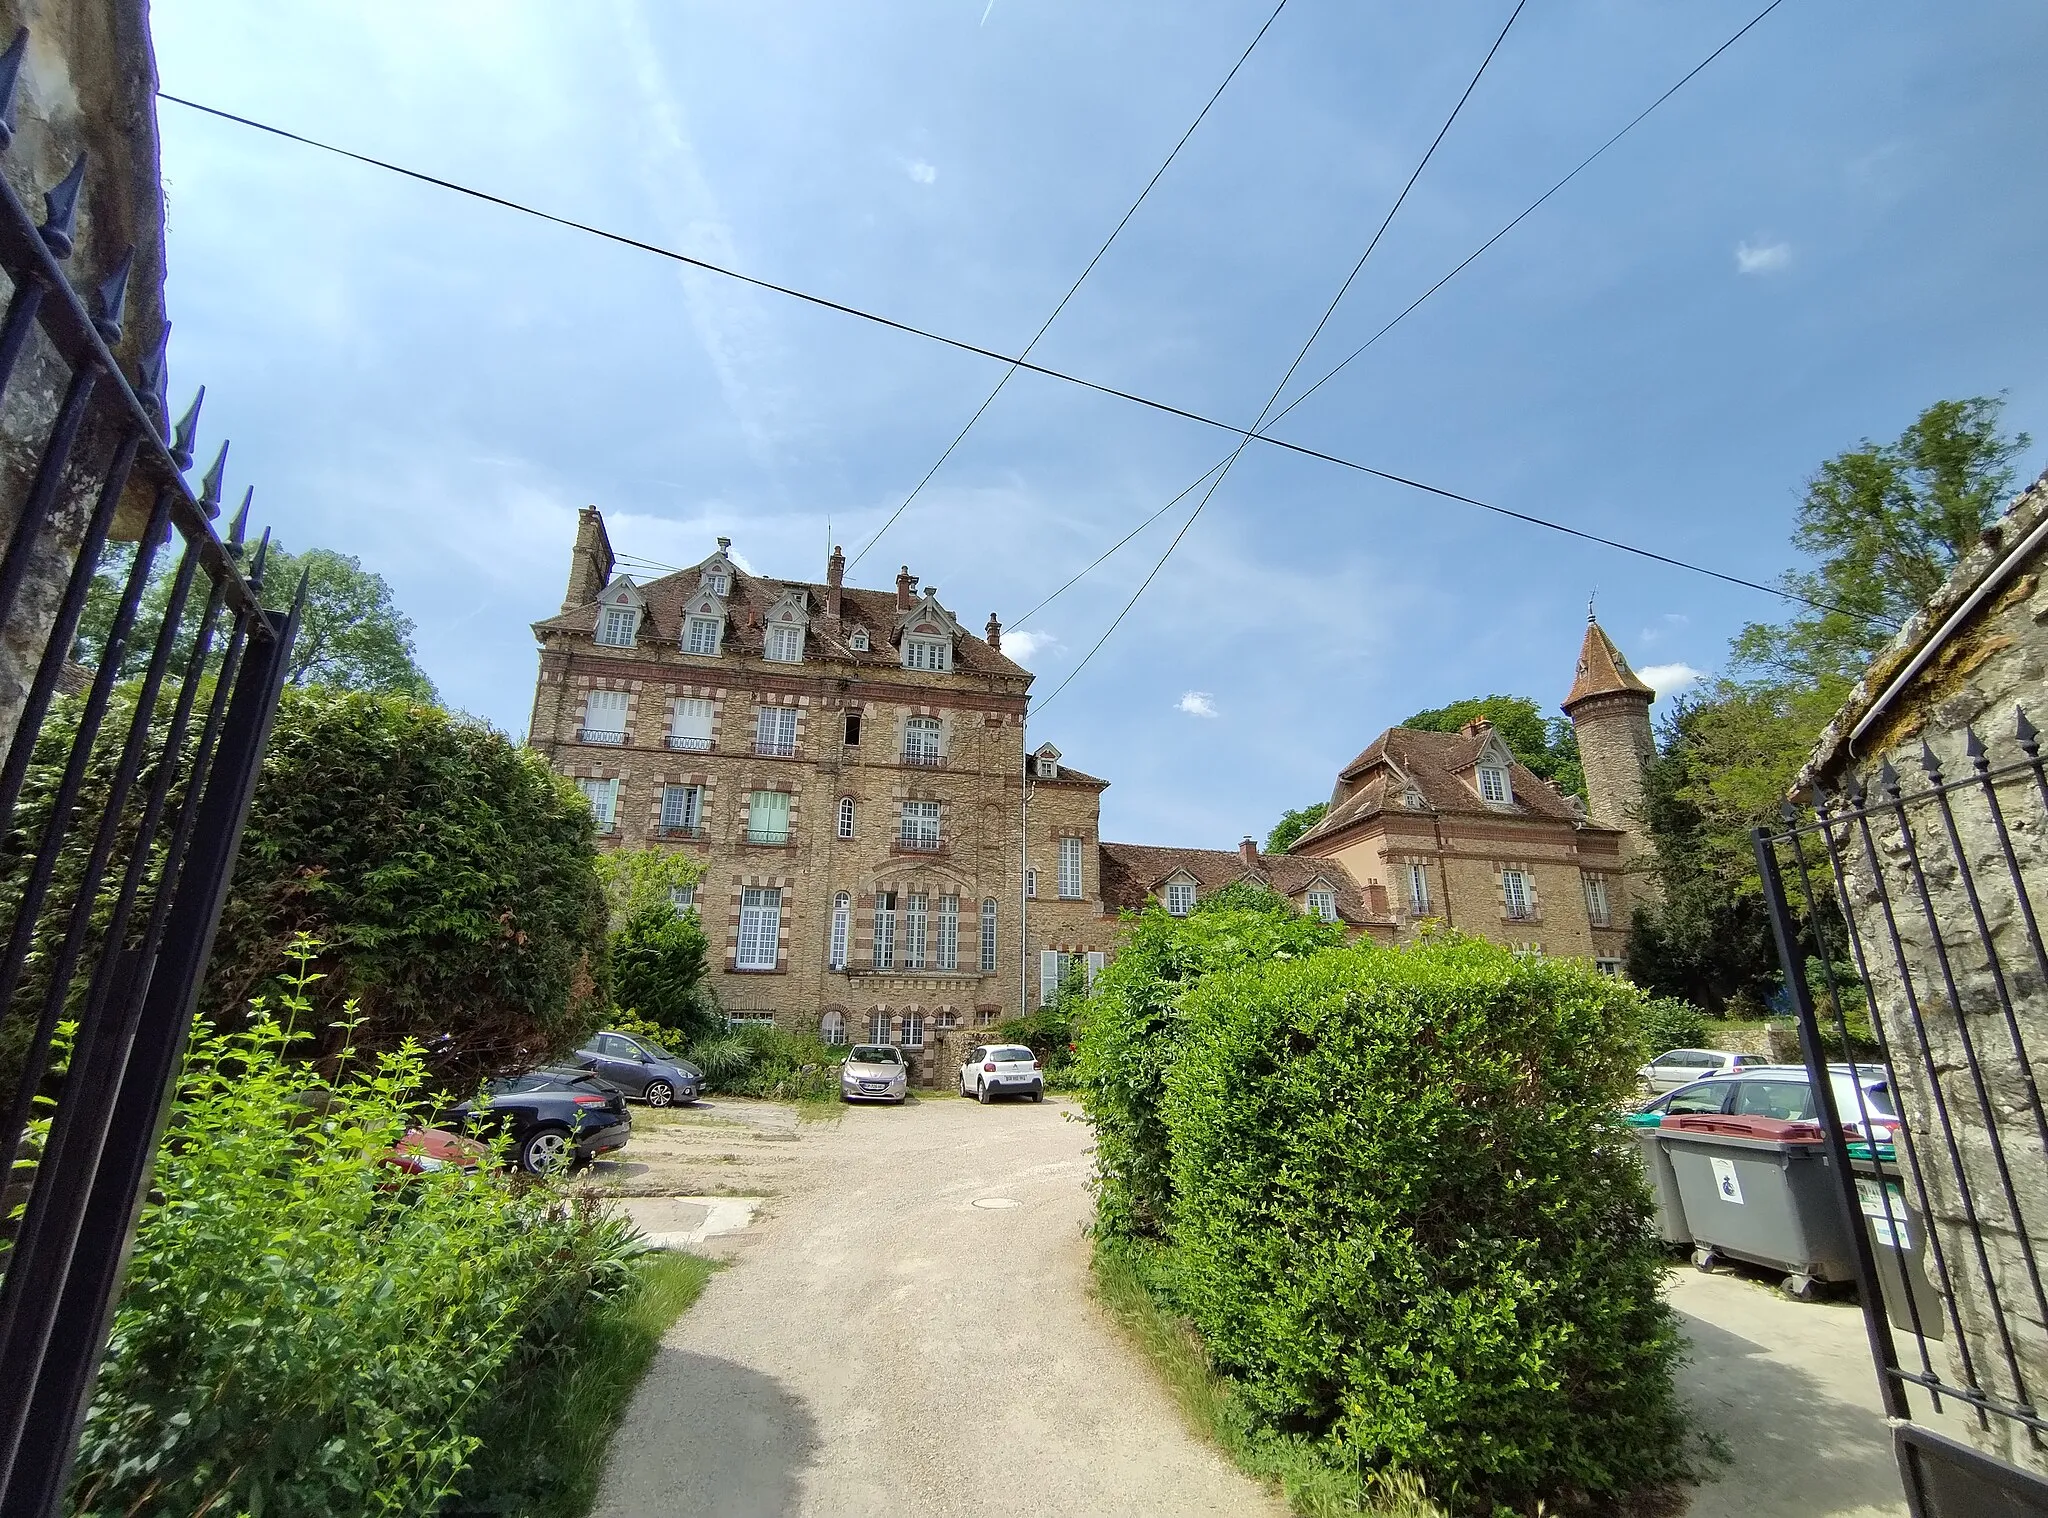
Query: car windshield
{"type": "Point", "coordinates": [655, 1051]}
{"type": "Point", "coordinates": [1011, 1055]}
{"type": "Point", "coordinates": [874, 1054]}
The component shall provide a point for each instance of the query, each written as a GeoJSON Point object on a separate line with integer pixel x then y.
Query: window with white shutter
{"type": "Point", "coordinates": [682, 808]}
{"type": "Point", "coordinates": [1048, 976]}
{"type": "Point", "coordinates": [1070, 869]}
{"type": "Point", "coordinates": [760, 928]}
{"type": "Point", "coordinates": [604, 717]}
{"type": "Point", "coordinates": [1096, 960]}
{"type": "Point", "coordinates": [689, 725]}
{"type": "Point", "coordinates": [768, 817]}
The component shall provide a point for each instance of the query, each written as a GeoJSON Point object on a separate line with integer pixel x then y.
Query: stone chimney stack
{"type": "Point", "coordinates": [995, 633]}
{"type": "Point", "coordinates": [906, 588]}
{"type": "Point", "coordinates": [1376, 899]}
{"type": "Point", "coordinates": [1248, 851]}
{"type": "Point", "coordinates": [835, 579]}
{"type": "Point", "coordinates": [1478, 727]}
{"type": "Point", "coordinates": [590, 562]}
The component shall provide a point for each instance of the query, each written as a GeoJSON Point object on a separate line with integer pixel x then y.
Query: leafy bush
{"type": "Point", "coordinates": [1131, 1031]}
{"type": "Point", "coordinates": [1406, 1222]}
{"type": "Point", "coordinates": [306, 1332]}
{"type": "Point", "coordinates": [1050, 1033]}
{"type": "Point", "coordinates": [764, 1061]}
{"type": "Point", "coordinates": [657, 960]}
{"type": "Point", "coordinates": [1670, 1022]}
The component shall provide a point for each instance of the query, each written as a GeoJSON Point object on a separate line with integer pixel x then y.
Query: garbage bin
{"type": "Point", "coordinates": [1898, 1241]}
{"type": "Point", "coordinates": [1643, 1128]}
{"type": "Point", "coordinates": [1759, 1189]}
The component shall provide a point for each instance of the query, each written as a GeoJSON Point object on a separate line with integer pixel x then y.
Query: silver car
{"type": "Point", "coordinates": [1681, 1067]}
{"type": "Point", "coordinates": [874, 1073]}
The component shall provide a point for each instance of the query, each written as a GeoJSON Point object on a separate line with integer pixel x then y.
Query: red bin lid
{"type": "Point", "coordinates": [1785, 1130]}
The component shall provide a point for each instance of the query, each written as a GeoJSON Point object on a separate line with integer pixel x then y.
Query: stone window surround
{"type": "Point", "coordinates": [1528, 874]}
{"type": "Point", "coordinates": [783, 883]}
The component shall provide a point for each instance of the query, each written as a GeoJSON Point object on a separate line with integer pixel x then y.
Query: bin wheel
{"type": "Point", "coordinates": [1801, 1288]}
{"type": "Point", "coordinates": [1705, 1261]}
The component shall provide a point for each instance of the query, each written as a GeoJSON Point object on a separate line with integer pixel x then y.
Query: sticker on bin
{"type": "Point", "coordinates": [1725, 1181]}
{"type": "Point", "coordinates": [1887, 1222]}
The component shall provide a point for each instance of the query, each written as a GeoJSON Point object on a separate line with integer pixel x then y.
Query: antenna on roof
{"type": "Point", "coordinates": [1589, 602]}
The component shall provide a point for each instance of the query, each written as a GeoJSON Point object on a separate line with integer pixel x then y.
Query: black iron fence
{"type": "Point", "coordinates": [122, 797]}
{"type": "Point", "coordinates": [1906, 920]}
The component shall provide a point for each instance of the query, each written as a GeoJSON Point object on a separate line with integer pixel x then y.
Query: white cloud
{"type": "Point", "coordinates": [1022, 646]}
{"type": "Point", "coordinates": [920, 171]}
{"type": "Point", "coordinates": [1762, 258]}
{"type": "Point", "coordinates": [1198, 703]}
{"type": "Point", "coordinates": [1670, 679]}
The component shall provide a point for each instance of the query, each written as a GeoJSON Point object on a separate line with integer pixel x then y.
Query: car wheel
{"type": "Point", "coordinates": [1038, 1093]}
{"type": "Point", "coordinates": [659, 1094]}
{"type": "Point", "coordinates": [981, 1093]}
{"type": "Point", "coordinates": [546, 1150]}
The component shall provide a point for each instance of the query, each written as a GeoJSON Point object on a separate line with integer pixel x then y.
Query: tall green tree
{"type": "Point", "coordinates": [1547, 745]}
{"type": "Point", "coordinates": [1292, 824]}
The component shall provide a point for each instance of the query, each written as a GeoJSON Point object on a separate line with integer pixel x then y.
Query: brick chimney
{"type": "Point", "coordinates": [1478, 727]}
{"type": "Point", "coordinates": [1248, 851]}
{"type": "Point", "coordinates": [1376, 899]}
{"type": "Point", "coordinates": [995, 633]}
{"type": "Point", "coordinates": [906, 588]}
{"type": "Point", "coordinates": [835, 577]}
{"type": "Point", "coordinates": [590, 562]}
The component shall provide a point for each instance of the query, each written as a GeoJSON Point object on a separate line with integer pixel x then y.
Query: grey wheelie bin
{"type": "Point", "coordinates": [1898, 1241]}
{"type": "Point", "coordinates": [1760, 1189]}
{"type": "Point", "coordinates": [1643, 1128]}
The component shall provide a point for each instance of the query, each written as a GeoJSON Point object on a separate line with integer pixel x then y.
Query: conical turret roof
{"type": "Point", "coordinates": [1603, 671]}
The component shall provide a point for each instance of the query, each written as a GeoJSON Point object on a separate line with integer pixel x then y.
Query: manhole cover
{"type": "Point", "coordinates": [995, 1203]}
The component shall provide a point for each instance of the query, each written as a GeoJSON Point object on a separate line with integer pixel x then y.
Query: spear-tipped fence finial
{"type": "Point", "coordinates": [2030, 739]}
{"type": "Point", "coordinates": [113, 298]}
{"type": "Point", "coordinates": [209, 487]}
{"type": "Point", "coordinates": [60, 210]}
{"type": "Point", "coordinates": [240, 524]}
{"type": "Point", "coordinates": [1929, 763]}
{"type": "Point", "coordinates": [1888, 781]}
{"type": "Point", "coordinates": [10, 76]}
{"type": "Point", "coordinates": [1973, 750]}
{"type": "Point", "coordinates": [187, 429]}
{"type": "Point", "coordinates": [1853, 789]}
{"type": "Point", "coordinates": [256, 563]}
{"type": "Point", "coordinates": [151, 377]}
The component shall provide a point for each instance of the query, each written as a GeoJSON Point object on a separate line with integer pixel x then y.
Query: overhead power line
{"type": "Point", "coordinates": [1046, 325]}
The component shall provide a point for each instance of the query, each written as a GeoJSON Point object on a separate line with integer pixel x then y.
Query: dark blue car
{"type": "Point", "coordinates": [641, 1069]}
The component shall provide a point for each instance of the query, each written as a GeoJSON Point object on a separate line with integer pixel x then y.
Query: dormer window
{"type": "Point", "coordinates": [618, 626]}
{"type": "Point", "coordinates": [718, 582]}
{"type": "Point", "coordinates": [1412, 799]}
{"type": "Point", "coordinates": [1493, 785]}
{"type": "Point", "coordinates": [786, 645]}
{"type": "Point", "coordinates": [1322, 902]}
{"type": "Point", "coordinates": [701, 635]}
{"type": "Point", "coordinates": [935, 654]}
{"type": "Point", "coordinates": [1180, 898]}
{"type": "Point", "coordinates": [1046, 767]}
{"type": "Point", "coordinates": [857, 640]}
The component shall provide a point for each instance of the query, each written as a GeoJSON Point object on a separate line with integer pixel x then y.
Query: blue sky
{"type": "Point", "coordinates": [1842, 220]}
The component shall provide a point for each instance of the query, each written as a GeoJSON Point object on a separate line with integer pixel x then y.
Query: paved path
{"type": "Point", "coordinates": [882, 1345]}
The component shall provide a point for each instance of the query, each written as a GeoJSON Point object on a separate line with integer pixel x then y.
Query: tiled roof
{"type": "Point", "coordinates": [1377, 780]}
{"type": "Point", "coordinates": [1602, 669]}
{"type": "Point", "coordinates": [662, 622]}
{"type": "Point", "coordinates": [1132, 872]}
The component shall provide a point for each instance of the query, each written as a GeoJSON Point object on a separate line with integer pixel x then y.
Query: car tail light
{"type": "Point", "coordinates": [990, 1067]}
{"type": "Point", "coordinates": [1038, 1064]}
{"type": "Point", "coordinates": [592, 1101]}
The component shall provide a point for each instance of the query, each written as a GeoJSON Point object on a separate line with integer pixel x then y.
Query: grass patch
{"type": "Point", "coordinates": [544, 1442]}
{"type": "Point", "coordinates": [1210, 1404]}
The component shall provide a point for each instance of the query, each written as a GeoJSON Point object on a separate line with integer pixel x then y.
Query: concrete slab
{"type": "Point", "coordinates": [683, 1222]}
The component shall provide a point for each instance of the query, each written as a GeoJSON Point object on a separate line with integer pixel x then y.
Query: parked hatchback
{"type": "Point", "coordinates": [641, 1069]}
{"type": "Point", "coordinates": [874, 1073]}
{"type": "Point", "coordinates": [1785, 1091]}
{"type": "Point", "coordinates": [994, 1070]}
{"type": "Point", "coordinates": [555, 1118]}
{"type": "Point", "coordinates": [1681, 1067]}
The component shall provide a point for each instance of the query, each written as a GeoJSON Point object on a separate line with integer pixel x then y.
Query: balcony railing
{"type": "Point", "coordinates": [1520, 913]}
{"type": "Point", "coordinates": [693, 745]}
{"type": "Point", "coordinates": [680, 830]}
{"type": "Point", "coordinates": [603, 735]}
{"type": "Point", "coordinates": [919, 843]}
{"type": "Point", "coordinates": [775, 748]}
{"type": "Point", "coordinates": [769, 837]}
{"type": "Point", "coordinates": [924, 759]}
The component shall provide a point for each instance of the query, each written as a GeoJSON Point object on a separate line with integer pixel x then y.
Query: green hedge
{"type": "Point", "coordinates": [1406, 1223]}
{"type": "Point", "coordinates": [1670, 1022]}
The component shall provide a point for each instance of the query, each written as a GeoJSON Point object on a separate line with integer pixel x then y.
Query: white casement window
{"type": "Point", "coordinates": [885, 931]}
{"type": "Point", "coordinates": [949, 932]}
{"type": "Point", "coordinates": [913, 1030]}
{"type": "Point", "coordinates": [1180, 898]}
{"type": "Point", "coordinates": [604, 717]}
{"type": "Point", "coordinates": [988, 936]}
{"type": "Point", "coordinates": [1323, 904]}
{"type": "Point", "coordinates": [916, 917]}
{"type": "Point", "coordinates": [845, 816]}
{"type": "Point", "coordinates": [1493, 784]}
{"type": "Point", "coordinates": [1070, 869]}
{"type": "Point", "coordinates": [689, 724]}
{"type": "Point", "coordinates": [750, 1019]}
{"type": "Point", "coordinates": [775, 731]}
{"type": "Point", "coordinates": [1056, 968]}
{"type": "Point", "coordinates": [921, 741]}
{"type": "Point", "coordinates": [842, 922]}
{"type": "Point", "coordinates": [1418, 889]}
{"type": "Point", "coordinates": [1046, 767]}
{"type": "Point", "coordinates": [603, 796]}
{"type": "Point", "coordinates": [1412, 799]}
{"type": "Point", "coordinates": [920, 825]}
{"type": "Point", "coordinates": [1515, 894]}
{"type": "Point", "coordinates": [1608, 967]}
{"type": "Point", "coordinates": [718, 582]}
{"type": "Point", "coordinates": [760, 928]}
{"type": "Point", "coordinates": [928, 653]}
{"type": "Point", "coordinates": [768, 817]}
{"type": "Point", "coordinates": [1031, 885]}
{"type": "Point", "coordinates": [683, 898]}
{"type": "Point", "coordinates": [617, 627]}
{"type": "Point", "coordinates": [878, 1027]}
{"type": "Point", "coordinates": [1096, 960]}
{"type": "Point", "coordinates": [946, 1019]}
{"type": "Point", "coordinates": [1596, 900]}
{"type": "Point", "coordinates": [857, 640]}
{"type": "Point", "coordinates": [832, 1028]}
{"type": "Point", "coordinates": [701, 634]}
{"type": "Point", "coordinates": [786, 645]}
{"type": "Point", "coordinates": [682, 808]}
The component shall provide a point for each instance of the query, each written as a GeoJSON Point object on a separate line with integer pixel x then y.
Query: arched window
{"type": "Point", "coordinates": [842, 916]}
{"type": "Point", "coordinates": [921, 740]}
{"type": "Point", "coordinates": [878, 1026]}
{"type": "Point", "coordinates": [845, 816]}
{"type": "Point", "coordinates": [832, 1028]}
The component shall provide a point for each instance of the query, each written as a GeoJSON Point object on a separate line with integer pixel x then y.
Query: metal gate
{"type": "Point", "coordinates": [121, 809]}
{"type": "Point", "coordinates": [1905, 917]}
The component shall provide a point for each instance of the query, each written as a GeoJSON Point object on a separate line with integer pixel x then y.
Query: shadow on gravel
{"type": "Point", "coordinates": [707, 1437]}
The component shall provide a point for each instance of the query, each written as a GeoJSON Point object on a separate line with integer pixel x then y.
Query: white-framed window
{"type": "Point", "coordinates": [845, 816]}
{"type": "Point", "coordinates": [1412, 799]}
{"type": "Point", "coordinates": [832, 1028]}
{"type": "Point", "coordinates": [928, 653]}
{"type": "Point", "coordinates": [689, 723]}
{"type": "Point", "coordinates": [1180, 897]}
{"type": "Point", "coordinates": [1070, 869]}
{"type": "Point", "coordinates": [603, 796]}
{"type": "Point", "coordinates": [1515, 894]}
{"type": "Point", "coordinates": [1418, 888]}
{"type": "Point", "coordinates": [949, 933]}
{"type": "Point", "coordinates": [857, 640]}
{"type": "Point", "coordinates": [1055, 967]}
{"type": "Point", "coordinates": [785, 645]}
{"type": "Point", "coordinates": [750, 1019]}
{"type": "Point", "coordinates": [683, 898]}
{"type": "Point", "coordinates": [604, 717]}
{"type": "Point", "coordinates": [885, 932]}
{"type": "Point", "coordinates": [1323, 904]}
{"type": "Point", "coordinates": [1608, 967]}
{"type": "Point", "coordinates": [986, 1017]}
{"type": "Point", "coordinates": [946, 1019]}
{"type": "Point", "coordinates": [682, 808]}
{"type": "Point", "coordinates": [617, 627]}
{"type": "Point", "coordinates": [718, 582]}
{"type": "Point", "coordinates": [1046, 767]}
{"type": "Point", "coordinates": [1031, 885]}
{"type": "Point", "coordinates": [775, 731]}
{"type": "Point", "coordinates": [916, 918]}
{"type": "Point", "coordinates": [1493, 784]}
{"type": "Point", "coordinates": [842, 922]}
{"type": "Point", "coordinates": [988, 935]}
{"type": "Point", "coordinates": [919, 828]}
{"type": "Point", "coordinates": [878, 1027]}
{"type": "Point", "coordinates": [1096, 960]}
{"type": "Point", "coordinates": [913, 1029]}
{"type": "Point", "coordinates": [921, 741]}
{"type": "Point", "coordinates": [701, 634]}
{"type": "Point", "coordinates": [1596, 900]}
{"type": "Point", "coordinates": [768, 817]}
{"type": "Point", "coordinates": [760, 928]}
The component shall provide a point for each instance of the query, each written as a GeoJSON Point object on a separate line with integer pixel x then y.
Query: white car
{"type": "Point", "coordinates": [1863, 1096]}
{"type": "Point", "coordinates": [1681, 1067]}
{"type": "Point", "coordinates": [874, 1073]}
{"type": "Point", "coordinates": [993, 1070]}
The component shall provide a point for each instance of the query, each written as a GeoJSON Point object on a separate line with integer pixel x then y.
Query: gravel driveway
{"type": "Point", "coordinates": [883, 1345]}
